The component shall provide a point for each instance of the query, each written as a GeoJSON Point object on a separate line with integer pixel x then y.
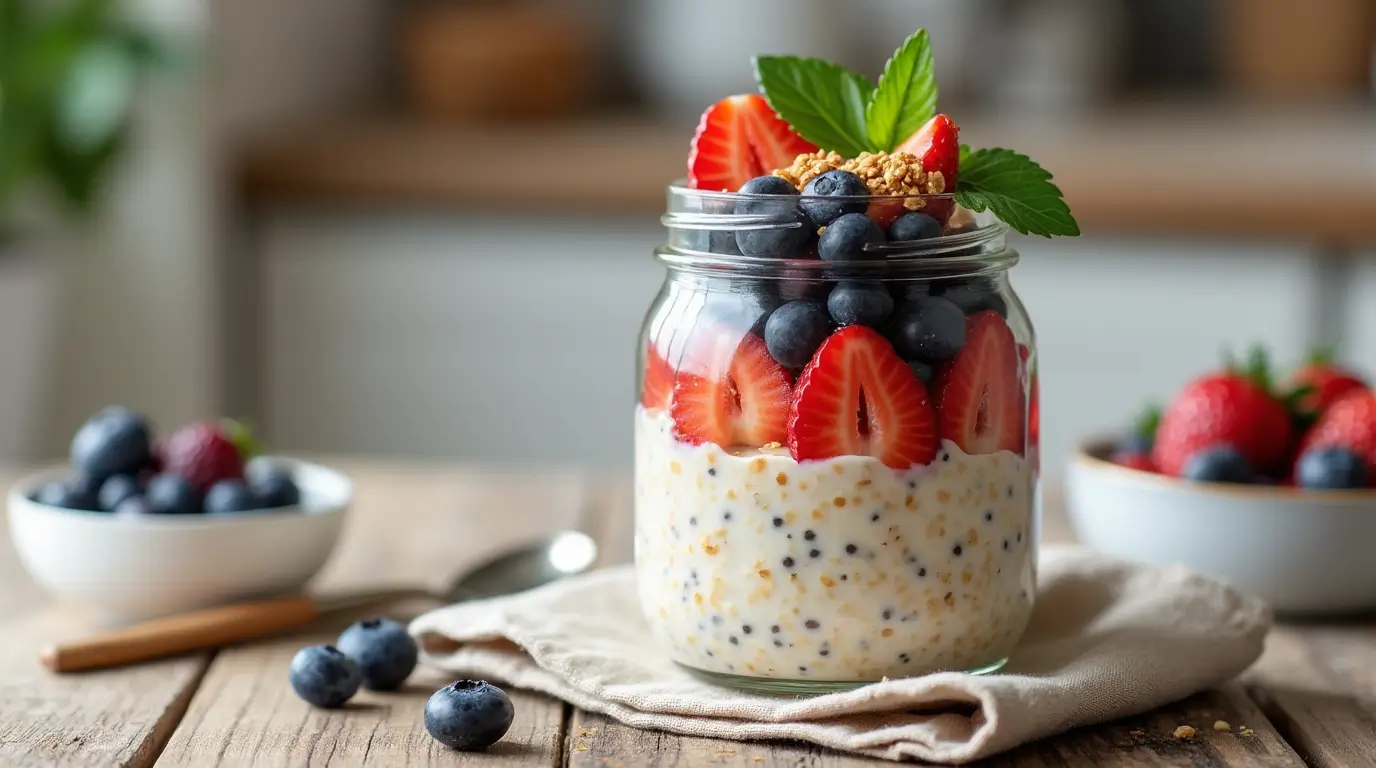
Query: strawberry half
{"type": "Point", "coordinates": [979, 394]}
{"type": "Point", "coordinates": [858, 398]}
{"type": "Point", "coordinates": [937, 145]}
{"type": "Point", "coordinates": [733, 393]}
{"type": "Point", "coordinates": [1329, 381]}
{"type": "Point", "coordinates": [658, 387]}
{"type": "Point", "coordinates": [739, 138]}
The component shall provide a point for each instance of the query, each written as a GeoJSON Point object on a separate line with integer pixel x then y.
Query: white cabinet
{"type": "Point", "coordinates": [512, 338]}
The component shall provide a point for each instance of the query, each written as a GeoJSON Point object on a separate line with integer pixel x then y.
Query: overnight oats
{"type": "Point", "coordinates": [836, 434]}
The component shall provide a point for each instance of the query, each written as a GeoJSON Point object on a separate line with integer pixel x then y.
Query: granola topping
{"type": "Point", "coordinates": [898, 173]}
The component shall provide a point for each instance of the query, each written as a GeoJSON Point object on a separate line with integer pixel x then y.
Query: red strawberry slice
{"type": "Point", "coordinates": [858, 398]}
{"type": "Point", "coordinates": [732, 393]}
{"type": "Point", "coordinates": [658, 387]}
{"type": "Point", "coordinates": [979, 394]}
{"type": "Point", "coordinates": [937, 145]}
{"type": "Point", "coordinates": [739, 138]}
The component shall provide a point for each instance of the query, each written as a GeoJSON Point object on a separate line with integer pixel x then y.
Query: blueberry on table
{"type": "Point", "coordinates": [1330, 467]}
{"type": "Point", "coordinates": [795, 331]}
{"type": "Point", "coordinates": [323, 676]}
{"type": "Point", "coordinates": [113, 442]}
{"type": "Point", "coordinates": [116, 490]}
{"type": "Point", "coordinates": [1218, 464]}
{"type": "Point", "coordinates": [169, 494]}
{"type": "Point", "coordinates": [913, 226]}
{"type": "Point", "coordinates": [860, 304]}
{"type": "Point", "coordinates": [77, 492]}
{"type": "Point", "coordinates": [383, 650]}
{"type": "Point", "coordinates": [931, 329]}
{"type": "Point", "coordinates": [975, 296]}
{"type": "Point", "coordinates": [846, 237]}
{"type": "Point", "coordinates": [469, 715]}
{"type": "Point", "coordinates": [229, 496]}
{"type": "Point", "coordinates": [837, 184]}
{"type": "Point", "coordinates": [274, 488]}
{"type": "Point", "coordinates": [788, 230]}
{"type": "Point", "coordinates": [134, 506]}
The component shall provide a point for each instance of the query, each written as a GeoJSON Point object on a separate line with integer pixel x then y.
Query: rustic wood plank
{"type": "Point", "coordinates": [415, 524]}
{"type": "Point", "coordinates": [1318, 684]}
{"type": "Point", "coordinates": [119, 717]}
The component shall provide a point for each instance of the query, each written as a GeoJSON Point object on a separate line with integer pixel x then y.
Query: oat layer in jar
{"type": "Point", "coordinates": [835, 439]}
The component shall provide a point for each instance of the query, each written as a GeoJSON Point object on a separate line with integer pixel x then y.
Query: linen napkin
{"type": "Point", "coordinates": [1107, 639]}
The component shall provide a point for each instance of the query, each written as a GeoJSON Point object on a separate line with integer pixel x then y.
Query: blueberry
{"type": "Point", "coordinates": [113, 442]}
{"type": "Point", "coordinates": [383, 650]}
{"type": "Point", "coordinates": [845, 239]}
{"type": "Point", "coordinates": [795, 331]}
{"type": "Point", "coordinates": [789, 229]}
{"type": "Point", "coordinates": [833, 184]}
{"type": "Point", "coordinates": [116, 490]}
{"type": "Point", "coordinates": [77, 492]}
{"type": "Point", "coordinates": [469, 714]}
{"type": "Point", "coordinates": [275, 488]}
{"type": "Point", "coordinates": [229, 496]}
{"type": "Point", "coordinates": [1330, 467]}
{"type": "Point", "coordinates": [1218, 464]}
{"type": "Point", "coordinates": [930, 329]}
{"type": "Point", "coordinates": [722, 241]}
{"type": "Point", "coordinates": [860, 304]}
{"type": "Point", "coordinates": [172, 495]}
{"type": "Point", "coordinates": [323, 676]}
{"type": "Point", "coordinates": [974, 296]}
{"type": "Point", "coordinates": [922, 370]}
{"type": "Point", "coordinates": [914, 226]}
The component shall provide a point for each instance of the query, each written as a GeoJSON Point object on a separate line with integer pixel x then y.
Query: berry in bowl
{"type": "Point", "coordinates": [835, 442]}
{"type": "Point", "coordinates": [1272, 488]}
{"type": "Point", "coordinates": [134, 529]}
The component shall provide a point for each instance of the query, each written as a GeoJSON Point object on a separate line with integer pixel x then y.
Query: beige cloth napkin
{"type": "Point", "coordinates": [1107, 639]}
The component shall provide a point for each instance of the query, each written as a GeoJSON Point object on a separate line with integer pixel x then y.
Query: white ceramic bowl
{"type": "Point", "coordinates": [1301, 551]}
{"type": "Point", "coordinates": [132, 568]}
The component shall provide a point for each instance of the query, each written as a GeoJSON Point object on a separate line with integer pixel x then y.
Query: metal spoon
{"type": "Point", "coordinates": [564, 554]}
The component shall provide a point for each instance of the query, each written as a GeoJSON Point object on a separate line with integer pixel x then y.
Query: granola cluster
{"type": "Point", "coordinates": [898, 173]}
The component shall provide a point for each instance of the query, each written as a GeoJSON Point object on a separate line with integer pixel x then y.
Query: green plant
{"type": "Point", "coordinates": [68, 71]}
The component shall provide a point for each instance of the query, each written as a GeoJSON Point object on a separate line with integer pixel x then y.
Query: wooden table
{"type": "Point", "coordinates": [1311, 700]}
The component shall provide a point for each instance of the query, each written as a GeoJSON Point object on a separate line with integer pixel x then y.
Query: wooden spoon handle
{"type": "Point", "coordinates": [198, 630]}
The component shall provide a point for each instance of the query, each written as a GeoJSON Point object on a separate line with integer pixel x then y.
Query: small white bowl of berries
{"type": "Point", "coordinates": [1271, 487]}
{"type": "Point", "coordinates": [135, 528]}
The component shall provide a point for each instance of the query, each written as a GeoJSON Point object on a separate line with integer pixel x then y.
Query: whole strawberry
{"type": "Point", "coordinates": [1234, 407]}
{"type": "Point", "coordinates": [1329, 382]}
{"type": "Point", "coordinates": [1349, 423]}
{"type": "Point", "coordinates": [205, 453]}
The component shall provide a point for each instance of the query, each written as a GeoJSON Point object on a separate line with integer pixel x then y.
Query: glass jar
{"type": "Point", "coordinates": [811, 518]}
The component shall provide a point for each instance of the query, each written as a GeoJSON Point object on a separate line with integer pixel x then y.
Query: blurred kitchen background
{"type": "Point", "coordinates": [391, 227]}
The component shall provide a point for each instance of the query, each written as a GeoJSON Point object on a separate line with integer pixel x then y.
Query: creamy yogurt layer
{"type": "Point", "coordinates": [751, 563]}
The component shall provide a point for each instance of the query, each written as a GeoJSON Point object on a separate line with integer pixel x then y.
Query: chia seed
{"type": "Point", "coordinates": [815, 553]}
{"type": "Point", "coordinates": [778, 522]}
{"type": "Point", "coordinates": [788, 562]}
{"type": "Point", "coordinates": [851, 549]}
{"type": "Point", "coordinates": [811, 624]}
{"type": "Point", "coordinates": [956, 550]}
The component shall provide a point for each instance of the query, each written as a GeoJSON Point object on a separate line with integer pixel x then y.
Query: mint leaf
{"type": "Point", "coordinates": [1016, 189]}
{"type": "Point", "coordinates": [824, 102]}
{"type": "Point", "coordinates": [906, 97]}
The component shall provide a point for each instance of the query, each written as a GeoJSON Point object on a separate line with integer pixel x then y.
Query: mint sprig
{"type": "Point", "coordinates": [906, 96]}
{"type": "Point", "coordinates": [824, 102]}
{"type": "Point", "coordinates": [1016, 189]}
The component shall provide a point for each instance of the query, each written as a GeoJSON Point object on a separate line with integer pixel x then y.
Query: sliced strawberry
{"type": "Point", "coordinates": [658, 387]}
{"type": "Point", "coordinates": [979, 394]}
{"type": "Point", "coordinates": [858, 398]}
{"type": "Point", "coordinates": [739, 138]}
{"type": "Point", "coordinates": [885, 212]}
{"type": "Point", "coordinates": [937, 145]}
{"type": "Point", "coordinates": [730, 392]}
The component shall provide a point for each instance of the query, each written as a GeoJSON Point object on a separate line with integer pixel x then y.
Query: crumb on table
{"type": "Point", "coordinates": [1222, 725]}
{"type": "Point", "coordinates": [1184, 732]}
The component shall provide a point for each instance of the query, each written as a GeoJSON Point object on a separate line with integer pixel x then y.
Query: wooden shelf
{"type": "Point", "coordinates": [1264, 172]}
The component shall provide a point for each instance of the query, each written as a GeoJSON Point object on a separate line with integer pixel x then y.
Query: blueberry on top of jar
{"type": "Point", "coordinates": [930, 329]}
{"type": "Point", "coordinates": [791, 229]}
{"type": "Point", "coordinates": [795, 331]}
{"type": "Point", "coordinates": [860, 303]}
{"type": "Point", "coordinates": [914, 225]}
{"type": "Point", "coordinates": [834, 184]}
{"type": "Point", "coordinates": [846, 237]}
